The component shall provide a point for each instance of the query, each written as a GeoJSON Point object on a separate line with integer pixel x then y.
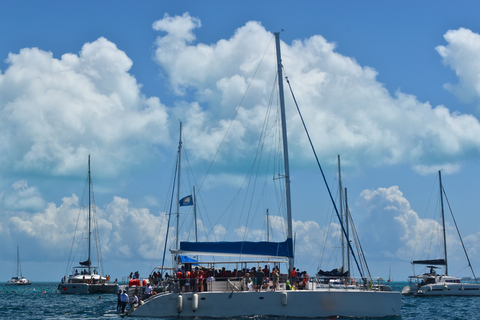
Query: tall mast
{"type": "Point", "coordinates": [19, 272]}
{"type": "Point", "coordinates": [268, 226]}
{"type": "Point", "coordinates": [347, 216]}
{"type": "Point", "coordinates": [195, 213]}
{"type": "Point", "coordinates": [340, 188]}
{"type": "Point", "coordinates": [443, 222]}
{"type": "Point", "coordinates": [178, 186]}
{"type": "Point", "coordinates": [89, 215]}
{"type": "Point", "coordinates": [285, 147]}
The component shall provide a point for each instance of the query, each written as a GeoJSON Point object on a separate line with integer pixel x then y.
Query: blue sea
{"type": "Point", "coordinates": [41, 301]}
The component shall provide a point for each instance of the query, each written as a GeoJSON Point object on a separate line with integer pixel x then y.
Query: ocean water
{"type": "Point", "coordinates": [41, 301]}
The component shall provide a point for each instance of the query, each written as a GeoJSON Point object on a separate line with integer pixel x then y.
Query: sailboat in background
{"type": "Point", "coordinates": [389, 275]}
{"type": "Point", "coordinates": [89, 278]}
{"type": "Point", "coordinates": [433, 284]}
{"type": "Point", "coordinates": [228, 296]}
{"type": "Point", "coordinates": [19, 279]}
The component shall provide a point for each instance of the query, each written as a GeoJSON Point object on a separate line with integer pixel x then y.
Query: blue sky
{"type": "Point", "coordinates": [390, 86]}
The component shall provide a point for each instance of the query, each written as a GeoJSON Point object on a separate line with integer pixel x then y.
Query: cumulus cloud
{"type": "Point", "coordinates": [53, 112]}
{"type": "Point", "coordinates": [21, 197]}
{"type": "Point", "coordinates": [125, 232]}
{"type": "Point", "coordinates": [396, 231]}
{"type": "Point", "coordinates": [346, 109]}
{"type": "Point", "coordinates": [461, 55]}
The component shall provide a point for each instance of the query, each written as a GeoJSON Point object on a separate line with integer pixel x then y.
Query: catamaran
{"type": "Point", "coordinates": [85, 277]}
{"type": "Point", "coordinates": [19, 279]}
{"type": "Point", "coordinates": [232, 295]}
{"type": "Point", "coordinates": [431, 283]}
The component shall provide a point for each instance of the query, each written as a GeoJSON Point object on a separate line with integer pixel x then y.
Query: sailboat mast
{"type": "Point", "coordinates": [347, 219]}
{"type": "Point", "coordinates": [18, 265]}
{"type": "Point", "coordinates": [178, 186]}
{"type": "Point", "coordinates": [268, 226]}
{"type": "Point", "coordinates": [443, 222]}
{"type": "Point", "coordinates": [195, 213]}
{"type": "Point", "coordinates": [285, 147]}
{"type": "Point", "coordinates": [89, 215]}
{"type": "Point", "coordinates": [340, 188]}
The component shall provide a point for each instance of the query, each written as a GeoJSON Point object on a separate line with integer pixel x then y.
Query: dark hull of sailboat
{"type": "Point", "coordinates": [85, 288]}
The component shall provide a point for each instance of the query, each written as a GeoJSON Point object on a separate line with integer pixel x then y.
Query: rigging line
{"type": "Point", "coordinates": [327, 233]}
{"type": "Point", "coordinates": [458, 231]}
{"type": "Point", "coordinates": [95, 225]}
{"type": "Point", "coordinates": [70, 256]}
{"type": "Point", "coordinates": [165, 209]}
{"type": "Point", "coordinates": [323, 175]}
{"type": "Point", "coordinates": [235, 114]}
{"type": "Point", "coordinates": [278, 161]}
{"type": "Point", "coordinates": [193, 181]}
{"type": "Point", "coordinates": [257, 164]}
{"type": "Point", "coordinates": [358, 243]}
{"type": "Point", "coordinates": [422, 221]}
{"type": "Point", "coordinates": [169, 216]}
{"type": "Point", "coordinates": [439, 230]}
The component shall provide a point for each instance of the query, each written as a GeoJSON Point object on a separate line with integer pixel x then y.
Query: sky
{"type": "Point", "coordinates": [391, 87]}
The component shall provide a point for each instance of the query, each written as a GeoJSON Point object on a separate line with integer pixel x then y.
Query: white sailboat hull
{"type": "Point", "coordinates": [301, 303]}
{"type": "Point", "coordinates": [450, 289]}
{"type": "Point", "coordinates": [18, 282]}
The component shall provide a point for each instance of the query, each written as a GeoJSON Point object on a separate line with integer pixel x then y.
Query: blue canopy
{"type": "Point", "coordinates": [245, 248]}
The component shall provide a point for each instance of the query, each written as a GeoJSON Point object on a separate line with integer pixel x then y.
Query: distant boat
{"type": "Point", "coordinates": [19, 279]}
{"type": "Point", "coordinates": [389, 275]}
{"type": "Point", "coordinates": [434, 284]}
{"type": "Point", "coordinates": [86, 278]}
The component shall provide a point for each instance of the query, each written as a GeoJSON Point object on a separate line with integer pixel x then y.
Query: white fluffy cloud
{"type": "Point", "coordinates": [396, 231]}
{"type": "Point", "coordinates": [125, 232]}
{"type": "Point", "coordinates": [53, 112]}
{"type": "Point", "coordinates": [346, 109]}
{"type": "Point", "coordinates": [461, 54]}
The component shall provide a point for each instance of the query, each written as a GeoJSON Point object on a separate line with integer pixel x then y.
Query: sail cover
{"type": "Point", "coordinates": [338, 272]}
{"type": "Point", "coordinates": [437, 262]}
{"type": "Point", "coordinates": [244, 248]}
{"type": "Point", "coordinates": [87, 263]}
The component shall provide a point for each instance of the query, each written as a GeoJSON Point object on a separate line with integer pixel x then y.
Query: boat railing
{"type": "Point", "coordinates": [222, 284]}
{"type": "Point", "coordinates": [350, 283]}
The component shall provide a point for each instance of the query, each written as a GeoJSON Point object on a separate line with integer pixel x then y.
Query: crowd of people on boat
{"type": "Point", "coordinates": [197, 279]}
{"type": "Point", "coordinates": [87, 277]}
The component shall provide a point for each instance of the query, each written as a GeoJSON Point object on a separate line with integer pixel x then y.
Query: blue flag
{"type": "Point", "coordinates": [186, 201]}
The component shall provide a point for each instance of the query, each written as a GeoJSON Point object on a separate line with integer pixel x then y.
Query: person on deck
{"type": "Point", "coordinates": [148, 291]}
{"type": "Point", "coordinates": [119, 301]}
{"type": "Point", "coordinates": [124, 300]}
{"type": "Point", "coordinates": [259, 275]}
{"type": "Point", "coordinates": [293, 276]}
{"type": "Point", "coordinates": [134, 303]}
{"type": "Point", "coordinates": [275, 277]}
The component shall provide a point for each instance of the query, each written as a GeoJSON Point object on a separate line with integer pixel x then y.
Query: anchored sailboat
{"type": "Point", "coordinates": [229, 297]}
{"type": "Point", "coordinates": [85, 277]}
{"type": "Point", "coordinates": [433, 284]}
{"type": "Point", "coordinates": [19, 279]}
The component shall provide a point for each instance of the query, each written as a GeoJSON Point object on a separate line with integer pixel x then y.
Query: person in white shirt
{"type": "Point", "coordinates": [134, 303]}
{"type": "Point", "coordinates": [148, 291]}
{"type": "Point", "coordinates": [124, 300]}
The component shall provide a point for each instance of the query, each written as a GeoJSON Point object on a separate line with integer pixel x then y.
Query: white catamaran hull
{"type": "Point", "coordinates": [301, 303]}
{"type": "Point", "coordinates": [439, 289]}
{"type": "Point", "coordinates": [18, 282]}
